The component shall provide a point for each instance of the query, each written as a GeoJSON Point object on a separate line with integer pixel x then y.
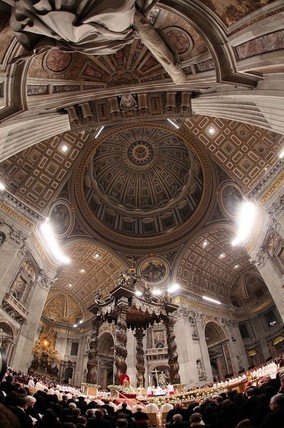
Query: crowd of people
{"type": "Point", "coordinates": [27, 402]}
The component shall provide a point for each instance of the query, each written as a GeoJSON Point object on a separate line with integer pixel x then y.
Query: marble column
{"type": "Point", "coordinates": [140, 364]}
{"type": "Point", "coordinates": [172, 350]}
{"type": "Point", "coordinates": [92, 365]}
{"type": "Point", "coordinates": [120, 347]}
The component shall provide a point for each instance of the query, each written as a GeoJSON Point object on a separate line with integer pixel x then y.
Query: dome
{"type": "Point", "coordinates": [144, 180]}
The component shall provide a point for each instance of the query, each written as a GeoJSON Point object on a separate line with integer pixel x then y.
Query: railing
{"type": "Point", "coordinates": [157, 351]}
{"type": "Point", "coordinates": [16, 305]}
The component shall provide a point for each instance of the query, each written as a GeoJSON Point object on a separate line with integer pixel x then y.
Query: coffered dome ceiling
{"type": "Point", "coordinates": [142, 180]}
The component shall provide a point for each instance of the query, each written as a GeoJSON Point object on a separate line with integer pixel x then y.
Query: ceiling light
{"type": "Point", "coordinates": [80, 322]}
{"type": "Point", "coordinates": [49, 238]}
{"type": "Point", "coordinates": [82, 271]}
{"type": "Point", "coordinates": [211, 130]}
{"type": "Point", "coordinates": [205, 243]}
{"type": "Point", "coordinates": [209, 299]}
{"type": "Point", "coordinates": [173, 288]}
{"type": "Point", "coordinates": [69, 285]}
{"type": "Point", "coordinates": [222, 256]}
{"type": "Point", "coordinates": [173, 123]}
{"type": "Point", "coordinates": [2, 186]}
{"type": "Point", "coordinates": [246, 220]}
{"type": "Point", "coordinates": [138, 293]}
{"type": "Point", "coordinates": [96, 256]}
{"type": "Point", "coordinates": [99, 131]}
{"type": "Point", "coordinates": [281, 154]}
{"type": "Point", "coordinates": [156, 292]}
{"type": "Point", "coordinates": [75, 325]}
{"type": "Point", "coordinates": [64, 148]}
{"type": "Point", "coordinates": [236, 266]}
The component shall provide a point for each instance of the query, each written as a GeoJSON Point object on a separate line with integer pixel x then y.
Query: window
{"type": "Point", "coordinates": [270, 318]}
{"type": "Point", "coordinates": [244, 331]}
{"type": "Point", "coordinates": [74, 348]}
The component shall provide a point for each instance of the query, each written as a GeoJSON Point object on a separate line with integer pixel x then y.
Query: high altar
{"type": "Point", "coordinates": [129, 311]}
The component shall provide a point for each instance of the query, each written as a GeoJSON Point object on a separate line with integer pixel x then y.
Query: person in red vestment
{"type": "Point", "coordinates": [124, 380]}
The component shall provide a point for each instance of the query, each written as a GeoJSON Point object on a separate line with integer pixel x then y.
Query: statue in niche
{"type": "Point", "coordinates": [273, 243]}
{"type": "Point", "coordinates": [91, 27]}
{"type": "Point", "coordinates": [68, 373]}
{"type": "Point", "coordinates": [194, 328]}
{"type": "Point", "coordinates": [200, 370]}
{"type": "Point", "coordinates": [162, 380]}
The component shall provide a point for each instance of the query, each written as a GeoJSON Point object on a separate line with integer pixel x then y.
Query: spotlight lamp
{"type": "Point", "coordinates": [173, 288]}
{"type": "Point", "coordinates": [51, 242]}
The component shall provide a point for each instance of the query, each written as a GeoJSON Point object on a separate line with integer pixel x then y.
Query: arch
{"type": "Point", "coordinates": [105, 359]}
{"type": "Point", "coordinates": [8, 333]}
{"type": "Point", "coordinates": [217, 41]}
{"type": "Point", "coordinates": [63, 308]}
{"type": "Point", "coordinates": [214, 334]}
{"type": "Point", "coordinates": [219, 357]}
{"type": "Point", "coordinates": [200, 269]}
{"type": "Point", "coordinates": [158, 375]}
{"type": "Point", "coordinates": [278, 344]}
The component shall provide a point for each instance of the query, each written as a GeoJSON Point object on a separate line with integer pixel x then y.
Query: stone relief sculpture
{"type": "Point", "coordinates": [25, 278]}
{"type": "Point", "coordinates": [18, 287]}
{"type": "Point", "coordinates": [92, 27]}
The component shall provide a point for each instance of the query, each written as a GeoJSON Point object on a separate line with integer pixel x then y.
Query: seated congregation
{"type": "Point", "coordinates": [260, 406]}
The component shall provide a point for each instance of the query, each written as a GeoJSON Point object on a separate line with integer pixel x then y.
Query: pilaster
{"type": "Point", "coordinates": [23, 351]}
{"type": "Point", "coordinates": [273, 280]}
{"type": "Point", "coordinates": [187, 352]}
{"type": "Point", "coordinates": [12, 252]}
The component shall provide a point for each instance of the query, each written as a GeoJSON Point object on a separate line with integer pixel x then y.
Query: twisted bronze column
{"type": "Point", "coordinates": [120, 350]}
{"type": "Point", "coordinates": [92, 365]}
{"type": "Point", "coordinates": [140, 366]}
{"type": "Point", "coordinates": [172, 351]}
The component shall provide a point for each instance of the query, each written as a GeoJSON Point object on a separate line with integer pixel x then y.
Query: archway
{"type": "Point", "coordinates": [105, 360]}
{"type": "Point", "coordinates": [218, 351]}
{"type": "Point", "coordinates": [7, 340]}
{"type": "Point", "coordinates": [159, 375]}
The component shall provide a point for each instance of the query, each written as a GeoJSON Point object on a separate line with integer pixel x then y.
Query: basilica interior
{"type": "Point", "coordinates": [139, 154]}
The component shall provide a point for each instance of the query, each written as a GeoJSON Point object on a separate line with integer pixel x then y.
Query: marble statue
{"type": "Point", "coordinates": [92, 27]}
